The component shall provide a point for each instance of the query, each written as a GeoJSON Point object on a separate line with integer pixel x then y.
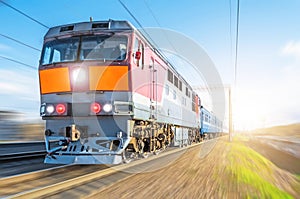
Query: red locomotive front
{"type": "Point", "coordinates": [107, 95]}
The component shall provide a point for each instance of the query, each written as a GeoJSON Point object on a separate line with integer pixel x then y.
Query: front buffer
{"type": "Point", "coordinates": [98, 140]}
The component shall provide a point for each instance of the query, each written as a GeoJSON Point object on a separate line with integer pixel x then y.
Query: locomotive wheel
{"type": "Point", "coordinates": [144, 155]}
{"type": "Point", "coordinates": [156, 152]}
{"type": "Point", "coordinates": [126, 157]}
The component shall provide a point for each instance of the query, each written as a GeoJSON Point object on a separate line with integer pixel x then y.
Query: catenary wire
{"type": "Point", "coordinates": [24, 14]}
{"type": "Point", "coordinates": [236, 42]}
{"type": "Point", "coordinates": [155, 18]}
{"type": "Point", "coordinates": [230, 32]}
{"type": "Point", "coordinates": [140, 25]}
{"type": "Point", "coordinates": [22, 43]}
{"type": "Point", "coordinates": [15, 40]}
{"type": "Point", "coordinates": [19, 62]}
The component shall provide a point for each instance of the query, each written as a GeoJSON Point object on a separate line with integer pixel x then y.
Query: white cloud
{"type": "Point", "coordinates": [7, 88]}
{"type": "Point", "coordinates": [291, 48]}
{"type": "Point", "coordinates": [17, 83]}
{"type": "Point", "coordinates": [19, 91]}
{"type": "Point", "coordinates": [273, 100]}
{"type": "Point", "coordinates": [4, 47]}
{"type": "Point", "coordinates": [34, 98]}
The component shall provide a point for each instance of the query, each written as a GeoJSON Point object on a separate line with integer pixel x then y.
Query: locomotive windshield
{"type": "Point", "coordinates": [100, 47]}
{"type": "Point", "coordinates": [61, 50]}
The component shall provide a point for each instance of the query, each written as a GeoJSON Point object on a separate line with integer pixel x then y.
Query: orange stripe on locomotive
{"type": "Point", "coordinates": [108, 78]}
{"type": "Point", "coordinates": [104, 78]}
{"type": "Point", "coordinates": [54, 80]}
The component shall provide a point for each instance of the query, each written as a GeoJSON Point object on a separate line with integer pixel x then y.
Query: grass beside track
{"type": "Point", "coordinates": [251, 173]}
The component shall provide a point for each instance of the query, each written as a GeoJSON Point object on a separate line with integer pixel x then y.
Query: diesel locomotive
{"type": "Point", "coordinates": [108, 96]}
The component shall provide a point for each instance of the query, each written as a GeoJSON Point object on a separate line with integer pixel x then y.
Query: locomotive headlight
{"type": "Point", "coordinates": [107, 108]}
{"type": "Point", "coordinates": [75, 74]}
{"type": "Point", "coordinates": [78, 75]}
{"type": "Point", "coordinates": [50, 108]}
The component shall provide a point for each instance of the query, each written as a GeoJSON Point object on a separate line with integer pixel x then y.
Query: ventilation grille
{"type": "Point", "coordinates": [66, 28]}
{"type": "Point", "coordinates": [101, 25]}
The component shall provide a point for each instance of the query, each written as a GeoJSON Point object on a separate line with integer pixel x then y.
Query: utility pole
{"type": "Point", "coordinates": [230, 114]}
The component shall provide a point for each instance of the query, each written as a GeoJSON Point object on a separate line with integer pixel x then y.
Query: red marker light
{"type": "Point", "coordinates": [60, 109]}
{"type": "Point", "coordinates": [138, 55]}
{"type": "Point", "coordinates": [95, 107]}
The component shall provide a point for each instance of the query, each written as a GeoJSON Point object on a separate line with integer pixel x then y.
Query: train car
{"type": "Point", "coordinates": [109, 96]}
{"type": "Point", "coordinates": [211, 126]}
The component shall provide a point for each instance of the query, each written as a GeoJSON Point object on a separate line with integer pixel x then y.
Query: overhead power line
{"type": "Point", "coordinates": [129, 12]}
{"type": "Point", "coordinates": [24, 14]}
{"type": "Point", "coordinates": [236, 41]}
{"type": "Point", "coordinates": [230, 32]}
{"type": "Point", "coordinates": [152, 13]}
{"type": "Point", "coordinates": [140, 25]}
{"type": "Point", "coordinates": [22, 43]}
{"type": "Point", "coordinates": [19, 62]}
{"type": "Point", "coordinates": [155, 18]}
{"type": "Point", "coordinates": [148, 36]}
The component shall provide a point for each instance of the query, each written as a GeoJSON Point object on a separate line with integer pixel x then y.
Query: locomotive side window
{"type": "Point", "coordinates": [176, 81]}
{"type": "Point", "coordinates": [180, 85]}
{"type": "Point", "coordinates": [136, 45]}
{"type": "Point", "coordinates": [142, 49]}
{"type": "Point", "coordinates": [187, 92]}
{"type": "Point", "coordinates": [46, 57]}
{"type": "Point", "coordinates": [170, 76]}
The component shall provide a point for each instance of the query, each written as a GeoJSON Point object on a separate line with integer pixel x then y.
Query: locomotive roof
{"type": "Point", "coordinates": [88, 27]}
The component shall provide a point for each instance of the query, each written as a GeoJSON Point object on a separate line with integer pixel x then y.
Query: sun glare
{"type": "Point", "coordinates": [249, 110]}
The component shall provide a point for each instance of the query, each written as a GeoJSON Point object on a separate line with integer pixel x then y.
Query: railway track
{"type": "Point", "coordinates": [16, 186]}
{"type": "Point", "coordinates": [81, 180]}
{"type": "Point", "coordinates": [21, 157]}
{"type": "Point", "coordinates": [16, 150]}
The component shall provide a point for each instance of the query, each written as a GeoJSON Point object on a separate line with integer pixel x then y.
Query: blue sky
{"type": "Point", "coordinates": [267, 91]}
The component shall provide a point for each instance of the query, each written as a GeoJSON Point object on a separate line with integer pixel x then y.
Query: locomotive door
{"type": "Point", "coordinates": [153, 90]}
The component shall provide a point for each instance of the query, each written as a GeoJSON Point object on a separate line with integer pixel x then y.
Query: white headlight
{"type": "Point", "coordinates": [75, 74]}
{"type": "Point", "coordinates": [78, 75]}
{"type": "Point", "coordinates": [107, 108]}
{"type": "Point", "coordinates": [50, 109]}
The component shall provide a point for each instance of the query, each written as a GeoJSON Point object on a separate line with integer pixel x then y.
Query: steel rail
{"type": "Point", "coordinates": [18, 150]}
{"type": "Point", "coordinates": [10, 180]}
{"type": "Point", "coordinates": [26, 154]}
